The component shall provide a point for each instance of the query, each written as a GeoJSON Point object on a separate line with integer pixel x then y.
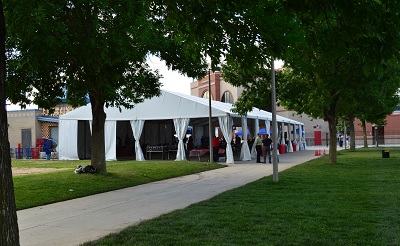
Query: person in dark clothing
{"type": "Point", "coordinates": [238, 141]}
{"type": "Point", "coordinates": [258, 144]}
{"type": "Point", "coordinates": [215, 145]}
{"type": "Point", "coordinates": [250, 142]}
{"type": "Point", "coordinates": [204, 142]}
{"type": "Point", "coordinates": [189, 145]}
{"type": "Point", "coordinates": [266, 143]}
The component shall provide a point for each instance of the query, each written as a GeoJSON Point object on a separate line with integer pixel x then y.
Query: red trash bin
{"type": "Point", "coordinates": [35, 153]}
{"type": "Point", "coordinates": [282, 148]}
{"type": "Point", "coordinates": [294, 147]}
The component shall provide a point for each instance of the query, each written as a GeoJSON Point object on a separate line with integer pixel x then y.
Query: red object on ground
{"type": "Point", "coordinates": [294, 147]}
{"type": "Point", "coordinates": [39, 142]}
{"type": "Point", "coordinates": [35, 153]}
{"type": "Point", "coordinates": [282, 148]}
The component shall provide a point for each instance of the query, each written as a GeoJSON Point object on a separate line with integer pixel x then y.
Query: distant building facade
{"type": "Point", "coordinates": [220, 90]}
{"type": "Point", "coordinates": [26, 126]}
{"type": "Point", "coordinates": [317, 131]}
{"type": "Point", "coordinates": [388, 134]}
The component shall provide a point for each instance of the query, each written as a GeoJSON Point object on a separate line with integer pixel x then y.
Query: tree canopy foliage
{"type": "Point", "coordinates": [336, 51]}
{"type": "Point", "coordinates": [94, 49]}
{"type": "Point", "coordinates": [329, 59]}
{"type": "Point", "coordinates": [256, 86]}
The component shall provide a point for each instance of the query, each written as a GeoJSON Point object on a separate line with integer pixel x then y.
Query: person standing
{"type": "Point", "coordinates": [215, 145]}
{"type": "Point", "coordinates": [266, 143]}
{"type": "Point", "coordinates": [238, 141]}
{"type": "Point", "coordinates": [258, 144]}
{"type": "Point", "coordinates": [189, 146]}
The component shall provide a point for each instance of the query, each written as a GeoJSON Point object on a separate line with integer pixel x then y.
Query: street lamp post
{"type": "Point", "coordinates": [376, 135]}
{"type": "Point", "coordinates": [274, 123]}
{"type": "Point", "coordinates": [210, 130]}
{"type": "Point", "coordinates": [210, 117]}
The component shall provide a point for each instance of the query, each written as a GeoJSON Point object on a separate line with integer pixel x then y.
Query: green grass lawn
{"type": "Point", "coordinates": [38, 189]}
{"type": "Point", "coordinates": [355, 202]}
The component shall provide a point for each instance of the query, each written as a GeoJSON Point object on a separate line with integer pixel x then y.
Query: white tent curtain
{"type": "Point", "coordinates": [275, 137]}
{"type": "Point", "coordinates": [290, 146]}
{"type": "Point", "coordinates": [245, 152]}
{"type": "Point", "coordinates": [68, 139]}
{"type": "Point", "coordinates": [137, 128]}
{"type": "Point", "coordinates": [268, 127]}
{"type": "Point", "coordinates": [90, 126]}
{"type": "Point", "coordinates": [256, 129]}
{"type": "Point", "coordinates": [181, 126]}
{"type": "Point", "coordinates": [299, 143]}
{"type": "Point", "coordinates": [295, 137]}
{"type": "Point", "coordinates": [304, 138]}
{"type": "Point", "coordinates": [225, 124]}
{"type": "Point", "coordinates": [110, 139]}
{"type": "Point", "coordinates": [282, 133]}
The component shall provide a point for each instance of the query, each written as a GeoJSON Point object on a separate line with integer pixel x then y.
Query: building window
{"type": "Point", "coordinates": [206, 94]}
{"type": "Point", "coordinates": [227, 97]}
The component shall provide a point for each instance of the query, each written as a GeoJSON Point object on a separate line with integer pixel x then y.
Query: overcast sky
{"type": "Point", "coordinates": [172, 80]}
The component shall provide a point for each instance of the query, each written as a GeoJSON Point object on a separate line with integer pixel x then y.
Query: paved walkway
{"type": "Point", "coordinates": [89, 218]}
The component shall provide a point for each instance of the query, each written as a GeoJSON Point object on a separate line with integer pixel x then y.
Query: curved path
{"type": "Point", "coordinates": [89, 218]}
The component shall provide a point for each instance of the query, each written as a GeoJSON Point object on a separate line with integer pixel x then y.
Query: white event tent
{"type": "Point", "coordinates": [158, 120]}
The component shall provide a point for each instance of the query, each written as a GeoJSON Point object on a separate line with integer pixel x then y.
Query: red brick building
{"type": "Point", "coordinates": [317, 130]}
{"type": "Point", "coordinates": [388, 134]}
{"type": "Point", "coordinates": [220, 90]}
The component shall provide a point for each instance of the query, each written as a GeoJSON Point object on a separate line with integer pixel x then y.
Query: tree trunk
{"type": "Point", "coordinates": [9, 233]}
{"type": "Point", "coordinates": [352, 133]}
{"type": "Point", "coordinates": [364, 127]}
{"type": "Point", "coordinates": [98, 155]}
{"type": "Point", "coordinates": [330, 115]}
{"type": "Point", "coordinates": [332, 141]}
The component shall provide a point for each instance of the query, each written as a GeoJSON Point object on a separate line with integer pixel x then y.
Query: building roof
{"type": "Point", "coordinates": [48, 119]}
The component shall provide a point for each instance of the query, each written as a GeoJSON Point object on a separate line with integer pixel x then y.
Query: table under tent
{"type": "Point", "coordinates": [158, 127]}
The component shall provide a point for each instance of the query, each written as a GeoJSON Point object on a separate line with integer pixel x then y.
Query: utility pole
{"type": "Point", "coordinates": [210, 118]}
{"type": "Point", "coordinates": [275, 125]}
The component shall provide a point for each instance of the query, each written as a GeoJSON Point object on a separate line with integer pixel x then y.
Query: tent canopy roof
{"type": "Point", "coordinates": [171, 105]}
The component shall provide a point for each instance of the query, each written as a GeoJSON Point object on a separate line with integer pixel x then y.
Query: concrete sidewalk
{"type": "Point", "coordinates": [89, 218]}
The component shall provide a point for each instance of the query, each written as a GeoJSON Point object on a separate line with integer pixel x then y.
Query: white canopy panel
{"type": "Point", "coordinates": [171, 105]}
{"type": "Point", "coordinates": [167, 106]}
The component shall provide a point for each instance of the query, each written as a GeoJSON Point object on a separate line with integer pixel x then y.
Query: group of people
{"type": "Point", "coordinates": [263, 145]}
{"type": "Point", "coordinates": [219, 146]}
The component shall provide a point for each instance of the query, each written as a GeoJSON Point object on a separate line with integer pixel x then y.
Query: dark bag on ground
{"type": "Point", "coordinates": [87, 169]}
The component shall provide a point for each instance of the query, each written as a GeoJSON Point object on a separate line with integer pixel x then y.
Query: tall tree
{"type": "Point", "coordinates": [229, 31]}
{"type": "Point", "coordinates": [384, 93]}
{"type": "Point", "coordinates": [94, 49]}
{"type": "Point", "coordinates": [332, 45]}
{"type": "Point", "coordinates": [373, 97]}
{"type": "Point", "coordinates": [9, 233]}
{"type": "Point", "coordinates": [326, 52]}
